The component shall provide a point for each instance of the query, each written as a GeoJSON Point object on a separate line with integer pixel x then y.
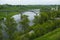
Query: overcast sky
{"type": "Point", "coordinates": [30, 2]}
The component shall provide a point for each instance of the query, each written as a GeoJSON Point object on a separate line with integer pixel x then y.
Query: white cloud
{"type": "Point", "coordinates": [26, 2]}
{"type": "Point", "coordinates": [13, 2]}
{"type": "Point", "coordinates": [29, 2]}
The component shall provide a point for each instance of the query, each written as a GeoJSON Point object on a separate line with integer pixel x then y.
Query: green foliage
{"type": "Point", "coordinates": [54, 35]}
{"type": "Point", "coordinates": [36, 20]}
{"type": "Point", "coordinates": [1, 35]}
{"type": "Point", "coordinates": [24, 22]}
{"type": "Point", "coordinates": [46, 25]}
{"type": "Point", "coordinates": [11, 27]}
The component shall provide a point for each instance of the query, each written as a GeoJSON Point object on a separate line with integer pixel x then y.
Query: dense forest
{"type": "Point", "coordinates": [46, 24]}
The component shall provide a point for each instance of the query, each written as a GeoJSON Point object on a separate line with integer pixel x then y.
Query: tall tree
{"type": "Point", "coordinates": [25, 22]}
{"type": "Point", "coordinates": [11, 27]}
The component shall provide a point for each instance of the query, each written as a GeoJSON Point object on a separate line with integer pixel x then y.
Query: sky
{"type": "Point", "coordinates": [30, 2]}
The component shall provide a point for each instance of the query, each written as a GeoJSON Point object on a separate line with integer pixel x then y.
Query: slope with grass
{"type": "Point", "coordinates": [54, 35]}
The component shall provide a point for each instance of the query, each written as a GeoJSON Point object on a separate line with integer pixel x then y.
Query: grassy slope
{"type": "Point", "coordinates": [54, 35]}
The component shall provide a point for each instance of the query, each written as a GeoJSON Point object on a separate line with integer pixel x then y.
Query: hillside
{"type": "Point", "coordinates": [46, 25]}
{"type": "Point", "coordinates": [54, 35]}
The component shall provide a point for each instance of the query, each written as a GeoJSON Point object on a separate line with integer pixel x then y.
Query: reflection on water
{"type": "Point", "coordinates": [30, 14]}
{"type": "Point", "coordinates": [17, 17]}
{"type": "Point", "coordinates": [30, 17]}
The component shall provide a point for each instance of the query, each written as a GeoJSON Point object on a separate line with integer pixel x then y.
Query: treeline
{"type": "Point", "coordinates": [25, 7]}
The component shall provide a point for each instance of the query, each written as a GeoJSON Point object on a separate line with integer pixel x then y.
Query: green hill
{"type": "Point", "coordinates": [54, 35]}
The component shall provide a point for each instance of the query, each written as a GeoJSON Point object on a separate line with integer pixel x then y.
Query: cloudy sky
{"type": "Point", "coordinates": [30, 2]}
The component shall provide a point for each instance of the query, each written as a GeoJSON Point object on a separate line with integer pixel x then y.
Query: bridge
{"type": "Point", "coordinates": [36, 11]}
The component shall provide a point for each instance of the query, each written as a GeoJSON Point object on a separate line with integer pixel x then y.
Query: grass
{"type": "Point", "coordinates": [54, 35]}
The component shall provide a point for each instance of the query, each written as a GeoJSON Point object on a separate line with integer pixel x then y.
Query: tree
{"type": "Point", "coordinates": [36, 20]}
{"type": "Point", "coordinates": [11, 27]}
{"type": "Point", "coordinates": [25, 23]}
{"type": "Point", "coordinates": [1, 35]}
